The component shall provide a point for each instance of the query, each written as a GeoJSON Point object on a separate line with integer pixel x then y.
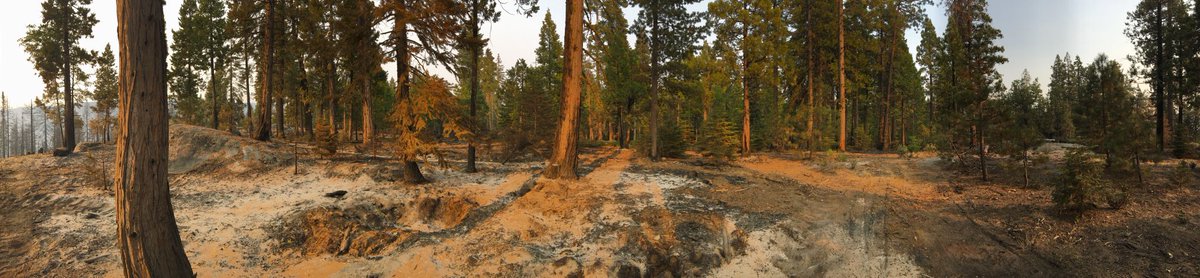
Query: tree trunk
{"type": "Point", "coordinates": [745, 92]}
{"type": "Point", "coordinates": [654, 87]}
{"type": "Point", "coordinates": [1160, 114]}
{"type": "Point", "coordinates": [147, 235]}
{"type": "Point", "coordinates": [368, 124]}
{"type": "Point", "coordinates": [268, 69]}
{"type": "Point", "coordinates": [249, 106]}
{"type": "Point", "coordinates": [411, 171]}
{"type": "Point", "coordinates": [212, 93]}
{"type": "Point", "coordinates": [841, 77]}
{"type": "Point", "coordinates": [563, 161]}
{"type": "Point", "coordinates": [475, 44]}
{"type": "Point", "coordinates": [68, 138]}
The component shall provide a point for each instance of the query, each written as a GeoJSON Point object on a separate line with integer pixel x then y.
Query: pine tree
{"type": "Point", "coordinates": [563, 158]}
{"type": "Point", "coordinates": [5, 137]}
{"type": "Point", "coordinates": [105, 94]}
{"type": "Point", "coordinates": [480, 11]}
{"type": "Point", "coordinates": [1019, 133]}
{"type": "Point", "coordinates": [266, 72]}
{"type": "Point", "coordinates": [970, 76]}
{"type": "Point", "coordinates": [54, 50]}
{"type": "Point", "coordinates": [432, 25]}
{"type": "Point", "coordinates": [671, 32]}
{"type": "Point", "coordinates": [147, 235]}
{"type": "Point", "coordinates": [927, 55]}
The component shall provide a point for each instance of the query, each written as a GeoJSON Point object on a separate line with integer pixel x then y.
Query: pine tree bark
{"type": "Point", "coordinates": [147, 235]}
{"type": "Point", "coordinates": [841, 76]}
{"type": "Point", "coordinates": [368, 124]}
{"type": "Point", "coordinates": [268, 70]}
{"type": "Point", "coordinates": [811, 69]}
{"type": "Point", "coordinates": [212, 92]}
{"type": "Point", "coordinates": [745, 91]}
{"type": "Point", "coordinates": [475, 45]}
{"type": "Point", "coordinates": [563, 161]}
{"type": "Point", "coordinates": [655, 76]}
{"type": "Point", "coordinates": [411, 172]}
{"type": "Point", "coordinates": [68, 118]}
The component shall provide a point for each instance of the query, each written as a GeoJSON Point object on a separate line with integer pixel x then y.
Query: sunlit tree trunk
{"type": "Point", "coordinates": [147, 235]}
{"type": "Point", "coordinates": [563, 161]}
{"type": "Point", "coordinates": [268, 70]}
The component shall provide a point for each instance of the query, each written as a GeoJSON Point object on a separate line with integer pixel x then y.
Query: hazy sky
{"type": "Point", "coordinates": [1034, 31]}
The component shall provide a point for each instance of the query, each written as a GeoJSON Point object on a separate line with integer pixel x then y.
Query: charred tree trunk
{"type": "Point", "coordinates": [564, 159]}
{"type": "Point", "coordinates": [147, 235]}
{"type": "Point", "coordinates": [475, 43]}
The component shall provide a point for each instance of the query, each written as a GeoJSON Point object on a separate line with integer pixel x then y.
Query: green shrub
{"type": "Point", "coordinates": [1183, 175]}
{"type": "Point", "coordinates": [719, 139]}
{"type": "Point", "coordinates": [671, 142]}
{"type": "Point", "coordinates": [1082, 185]}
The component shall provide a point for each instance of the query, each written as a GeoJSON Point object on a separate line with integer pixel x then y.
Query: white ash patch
{"type": "Point", "coordinates": [664, 181]}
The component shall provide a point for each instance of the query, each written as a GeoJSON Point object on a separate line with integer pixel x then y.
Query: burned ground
{"type": "Point", "coordinates": [248, 209]}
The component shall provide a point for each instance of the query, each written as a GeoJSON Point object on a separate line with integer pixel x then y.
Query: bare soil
{"type": "Point", "coordinates": [250, 209]}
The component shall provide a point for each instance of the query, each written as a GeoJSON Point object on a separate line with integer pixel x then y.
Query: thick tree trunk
{"type": "Point", "coordinates": [147, 235]}
{"type": "Point", "coordinates": [841, 76]}
{"type": "Point", "coordinates": [268, 69]}
{"type": "Point", "coordinates": [563, 160]}
{"type": "Point", "coordinates": [411, 171]}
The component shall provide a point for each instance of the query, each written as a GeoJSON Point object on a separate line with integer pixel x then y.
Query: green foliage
{"type": "Point", "coordinates": [671, 142]}
{"type": "Point", "coordinates": [1082, 185]}
{"type": "Point", "coordinates": [719, 139]}
{"type": "Point", "coordinates": [1182, 175]}
{"type": "Point", "coordinates": [197, 47]}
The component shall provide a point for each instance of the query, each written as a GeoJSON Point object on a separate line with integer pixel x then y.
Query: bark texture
{"type": "Point", "coordinates": [268, 64]}
{"type": "Point", "coordinates": [147, 235]}
{"type": "Point", "coordinates": [562, 163]}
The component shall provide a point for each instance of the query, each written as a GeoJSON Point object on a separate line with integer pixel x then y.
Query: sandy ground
{"type": "Point", "coordinates": [246, 209]}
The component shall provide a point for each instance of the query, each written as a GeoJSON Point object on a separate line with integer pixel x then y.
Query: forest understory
{"type": "Point", "coordinates": [247, 209]}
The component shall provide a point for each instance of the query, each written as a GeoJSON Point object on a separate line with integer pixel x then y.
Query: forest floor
{"type": "Point", "coordinates": [247, 209]}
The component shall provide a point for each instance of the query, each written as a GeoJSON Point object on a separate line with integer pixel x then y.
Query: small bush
{"type": "Point", "coordinates": [98, 172]}
{"type": "Point", "coordinates": [326, 140]}
{"type": "Point", "coordinates": [1083, 185]}
{"type": "Point", "coordinates": [719, 139]}
{"type": "Point", "coordinates": [1183, 175]}
{"type": "Point", "coordinates": [671, 142]}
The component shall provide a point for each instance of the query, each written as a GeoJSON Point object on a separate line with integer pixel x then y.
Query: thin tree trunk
{"type": "Point", "coordinates": [368, 124]}
{"type": "Point", "coordinates": [654, 87]}
{"type": "Point", "coordinates": [745, 93]}
{"type": "Point", "coordinates": [212, 93]}
{"type": "Point", "coordinates": [147, 235]}
{"type": "Point", "coordinates": [475, 44]}
{"type": "Point", "coordinates": [841, 77]}
{"type": "Point", "coordinates": [68, 118]}
{"type": "Point", "coordinates": [563, 160]}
